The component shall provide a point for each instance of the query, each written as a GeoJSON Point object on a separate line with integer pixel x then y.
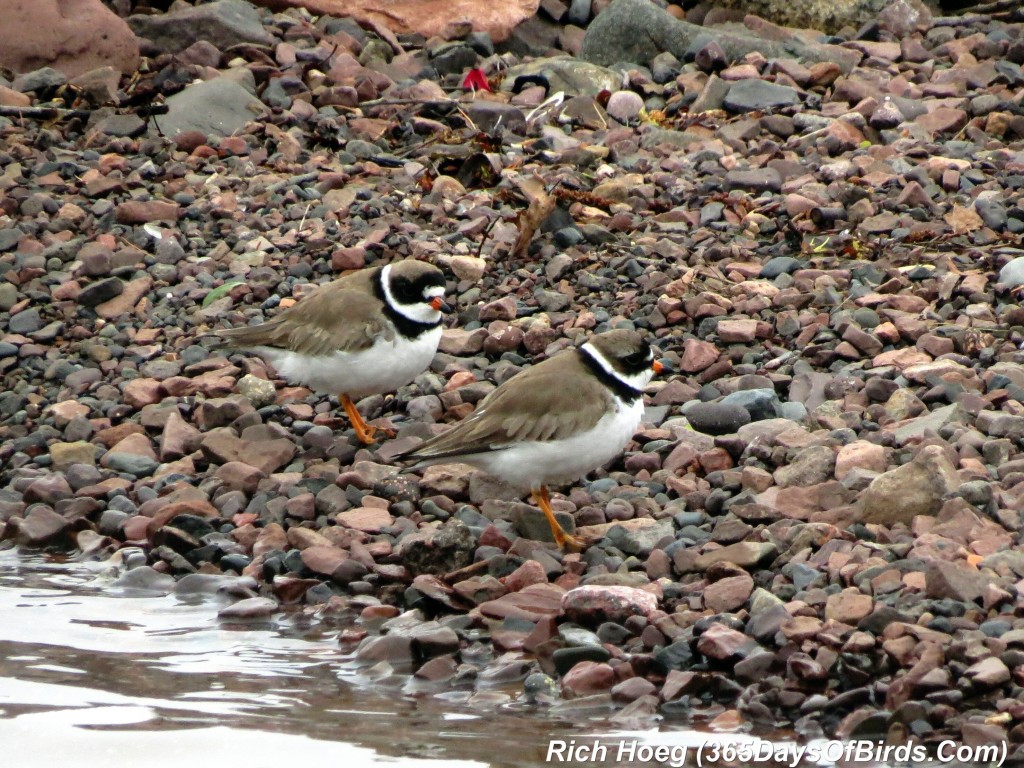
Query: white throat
{"type": "Point", "coordinates": [421, 311]}
{"type": "Point", "coordinates": [638, 381]}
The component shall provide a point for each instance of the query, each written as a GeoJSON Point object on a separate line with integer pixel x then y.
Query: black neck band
{"type": "Point", "coordinates": [622, 390]}
{"type": "Point", "coordinates": [410, 329]}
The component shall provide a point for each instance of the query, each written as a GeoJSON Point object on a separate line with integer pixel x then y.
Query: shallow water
{"type": "Point", "coordinates": [88, 677]}
{"type": "Point", "coordinates": [93, 677]}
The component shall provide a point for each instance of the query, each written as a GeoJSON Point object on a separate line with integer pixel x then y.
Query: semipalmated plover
{"type": "Point", "coordinates": [366, 333]}
{"type": "Point", "coordinates": [554, 422]}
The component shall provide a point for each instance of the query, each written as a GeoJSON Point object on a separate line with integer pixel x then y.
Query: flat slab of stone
{"type": "Point", "coordinates": [223, 24]}
{"type": "Point", "coordinates": [218, 107]}
{"type": "Point", "coordinates": [532, 603]}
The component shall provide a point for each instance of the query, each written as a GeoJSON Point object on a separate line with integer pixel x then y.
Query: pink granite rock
{"type": "Point", "coordinates": [443, 18]}
{"type": "Point", "coordinates": [72, 36]}
{"type": "Point", "coordinates": [594, 604]}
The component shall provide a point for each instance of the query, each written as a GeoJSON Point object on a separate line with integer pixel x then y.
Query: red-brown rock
{"type": "Point", "coordinates": [323, 560]}
{"type": "Point", "coordinates": [430, 18]}
{"type": "Point", "coordinates": [530, 572]}
{"type": "Point", "coordinates": [848, 606]}
{"type": "Point", "coordinates": [126, 301]}
{"type": "Point", "coordinates": [740, 330]}
{"type": "Point", "coordinates": [533, 603]}
{"type": "Point", "coordinates": [41, 526]}
{"type": "Point", "coordinates": [72, 36]}
{"type": "Point", "coordinates": [720, 642]}
{"type": "Point", "coordinates": [587, 678]}
{"type": "Point", "coordinates": [698, 355]}
{"type": "Point", "coordinates": [728, 594]}
{"type": "Point", "coordinates": [239, 477]}
{"type": "Point", "coordinates": [141, 211]}
{"type": "Point", "coordinates": [178, 438]}
{"type": "Point", "coordinates": [367, 519]}
{"type": "Point", "coordinates": [266, 455]}
{"type": "Point", "coordinates": [142, 392]}
{"type": "Point", "coordinates": [270, 538]}
{"type": "Point", "coordinates": [11, 98]}
{"type": "Point", "coordinates": [595, 604]}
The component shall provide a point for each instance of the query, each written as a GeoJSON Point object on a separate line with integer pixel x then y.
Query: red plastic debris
{"type": "Point", "coordinates": [476, 80]}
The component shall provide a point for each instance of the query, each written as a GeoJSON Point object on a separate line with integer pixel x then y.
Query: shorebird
{"type": "Point", "coordinates": [554, 422]}
{"type": "Point", "coordinates": [366, 333]}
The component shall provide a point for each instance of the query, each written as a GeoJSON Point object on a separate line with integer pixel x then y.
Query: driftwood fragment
{"type": "Point", "coordinates": [984, 13]}
{"type": "Point", "coordinates": [59, 113]}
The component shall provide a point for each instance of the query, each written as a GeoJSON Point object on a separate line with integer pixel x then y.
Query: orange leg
{"type": "Point", "coordinates": [364, 431]}
{"type": "Point", "coordinates": [562, 539]}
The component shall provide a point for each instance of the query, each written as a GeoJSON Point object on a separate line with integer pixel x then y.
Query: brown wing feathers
{"type": "Point", "coordinates": [538, 404]}
{"type": "Point", "coordinates": [339, 316]}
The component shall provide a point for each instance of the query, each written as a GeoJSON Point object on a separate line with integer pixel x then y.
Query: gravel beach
{"type": "Point", "coordinates": [818, 525]}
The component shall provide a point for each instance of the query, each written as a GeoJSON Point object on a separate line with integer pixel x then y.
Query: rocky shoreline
{"type": "Point", "coordinates": [818, 525]}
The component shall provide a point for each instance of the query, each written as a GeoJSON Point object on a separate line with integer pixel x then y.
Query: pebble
{"type": "Point", "coordinates": [594, 605]}
{"type": "Point", "coordinates": [1012, 273]}
{"type": "Point", "coordinates": [754, 94]}
{"type": "Point", "coordinates": [257, 391]}
{"type": "Point", "coordinates": [587, 678]}
{"type": "Point", "coordinates": [916, 488]}
{"type": "Point", "coordinates": [717, 418]}
{"type": "Point", "coordinates": [625, 105]}
{"type": "Point", "coordinates": [250, 608]}
{"type": "Point", "coordinates": [42, 526]}
{"type": "Point", "coordinates": [26, 322]}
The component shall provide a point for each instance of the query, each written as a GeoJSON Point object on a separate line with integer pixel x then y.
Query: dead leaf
{"type": "Point", "coordinates": [533, 188]}
{"type": "Point", "coordinates": [287, 145]}
{"type": "Point", "coordinates": [963, 220]}
{"type": "Point", "coordinates": [947, 286]}
{"type": "Point", "coordinates": [529, 221]}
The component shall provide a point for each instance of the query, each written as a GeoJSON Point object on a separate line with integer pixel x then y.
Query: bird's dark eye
{"type": "Point", "coordinates": [638, 360]}
{"type": "Point", "coordinates": [406, 292]}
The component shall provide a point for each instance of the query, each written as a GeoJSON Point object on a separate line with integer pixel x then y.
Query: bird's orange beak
{"type": "Point", "coordinates": [439, 304]}
{"type": "Point", "coordinates": [658, 366]}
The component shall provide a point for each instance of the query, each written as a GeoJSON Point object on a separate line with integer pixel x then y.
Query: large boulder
{"type": "Point", "coordinates": [223, 23]}
{"type": "Point", "coordinates": [443, 18]}
{"type": "Point", "coordinates": [635, 31]}
{"type": "Point", "coordinates": [217, 107]}
{"type": "Point", "coordinates": [72, 36]}
{"type": "Point", "coordinates": [899, 16]}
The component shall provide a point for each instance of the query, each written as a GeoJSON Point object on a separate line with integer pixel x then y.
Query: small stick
{"type": "Point", "coordinates": [407, 102]}
{"type": "Point", "coordinates": [462, 573]}
{"type": "Point", "coordinates": [57, 113]}
{"type": "Point", "coordinates": [961, 21]}
{"type": "Point", "coordinates": [44, 113]}
{"type": "Point", "coordinates": [483, 239]}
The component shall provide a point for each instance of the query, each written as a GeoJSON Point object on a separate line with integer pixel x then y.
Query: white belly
{"type": "Point", "coordinates": [384, 367]}
{"type": "Point", "coordinates": [529, 465]}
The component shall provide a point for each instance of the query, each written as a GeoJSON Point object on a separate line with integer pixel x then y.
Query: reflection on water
{"type": "Point", "coordinates": [93, 678]}
{"type": "Point", "coordinates": [89, 677]}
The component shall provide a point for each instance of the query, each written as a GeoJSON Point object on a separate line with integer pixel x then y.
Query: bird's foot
{"type": "Point", "coordinates": [567, 542]}
{"type": "Point", "coordinates": [365, 433]}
